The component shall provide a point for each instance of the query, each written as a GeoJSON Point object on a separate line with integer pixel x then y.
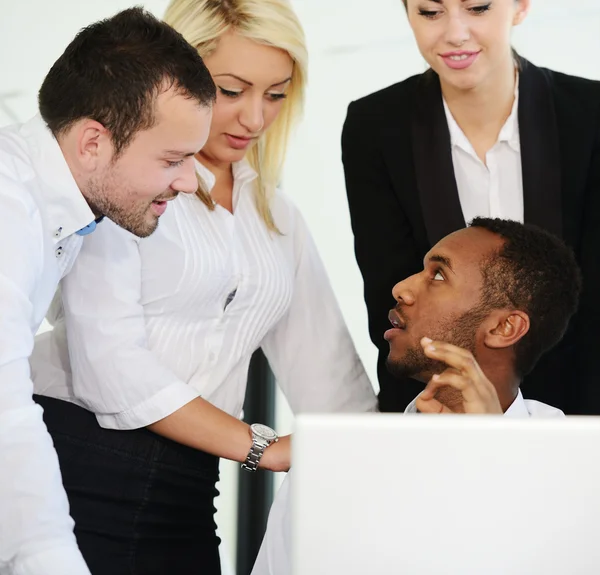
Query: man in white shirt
{"type": "Point", "coordinates": [123, 111]}
{"type": "Point", "coordinates": [491, 299]}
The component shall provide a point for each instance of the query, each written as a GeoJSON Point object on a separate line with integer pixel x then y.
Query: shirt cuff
{"type": "Point", "coordinates": [160, 405]}
{"type": "Point", "coordinates": [60, 560]}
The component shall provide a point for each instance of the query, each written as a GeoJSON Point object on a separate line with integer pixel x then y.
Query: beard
{"type": "Point", "coordinates": [459, 330]}
{"type": "Point", "coordinates": [121, 207]}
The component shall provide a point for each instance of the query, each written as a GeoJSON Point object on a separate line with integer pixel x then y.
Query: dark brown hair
{"type": "Point", "coordinates": [113, 71]}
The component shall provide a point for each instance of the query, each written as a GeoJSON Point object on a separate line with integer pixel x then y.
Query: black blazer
{"type": "Point", "coordinates": [403, 198]}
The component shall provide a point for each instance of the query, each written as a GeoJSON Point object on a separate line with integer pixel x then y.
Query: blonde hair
{"type": "Point", "coordinates": [269, 22]}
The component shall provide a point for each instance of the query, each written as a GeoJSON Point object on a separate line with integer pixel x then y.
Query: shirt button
{"type": "Point", "coordinates": [59, 251]}
{"type": "Point", "coordinates": [58, 232]}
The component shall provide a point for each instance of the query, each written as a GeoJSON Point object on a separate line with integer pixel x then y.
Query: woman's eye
{"type": "Point", "coordinates": [428, 13]}
{"type": "Point", "coordinates": [277, 96]}
{"type": "Point", "coordinates": [480, 9]}
{"type": "Point", "coordinates": [174, 164]}
{"type": "Point", "coordinates": [229, 93]}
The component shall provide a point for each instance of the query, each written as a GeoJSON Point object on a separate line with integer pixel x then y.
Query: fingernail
{"type": "Point", "coordinates": [436, 376]}
{"type": "Point", "coordinates": [426, 340]}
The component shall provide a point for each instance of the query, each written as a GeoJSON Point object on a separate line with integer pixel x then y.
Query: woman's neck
{"type": "Point", "coordinates": [222, 171]}
{"type": "Point", "coordinates": [222, 191]}
{"type": "Point", "coordinates": [481, 112]}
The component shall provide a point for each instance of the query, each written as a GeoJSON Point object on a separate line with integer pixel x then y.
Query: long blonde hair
{"type": "Point", "coordinates": [269, 22]}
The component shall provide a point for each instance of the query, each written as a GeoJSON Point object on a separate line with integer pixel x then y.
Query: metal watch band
{"type": "Point", "coordinates": [254, 456]}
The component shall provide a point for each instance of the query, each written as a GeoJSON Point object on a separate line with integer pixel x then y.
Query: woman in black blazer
{"type": "Point", "coordinates": [418, 156]}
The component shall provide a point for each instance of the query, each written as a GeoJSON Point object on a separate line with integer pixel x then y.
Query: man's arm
{"type": "Point", "coordinates": [36, 531]}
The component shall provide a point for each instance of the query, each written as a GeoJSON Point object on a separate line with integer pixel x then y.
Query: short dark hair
{"type": "Point", "coordinates": [534, 272]}
{"type": "Point", "coordinates": [113, 71]}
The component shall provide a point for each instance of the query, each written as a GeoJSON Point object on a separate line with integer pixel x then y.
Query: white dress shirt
{"type": "Point", "coordinates": [42, 208]}
{"type": "Point", "coordinates": [493, 189]}
{"type": "Point", "coordinates": [274, 557]}
{"type": "Point", "coordinates": [520, 407]}
{"type": "Point", "coordinates": [150, 327]}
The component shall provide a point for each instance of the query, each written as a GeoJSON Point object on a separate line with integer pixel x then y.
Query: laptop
{"type": "Point", "coordinates": [381, 494]}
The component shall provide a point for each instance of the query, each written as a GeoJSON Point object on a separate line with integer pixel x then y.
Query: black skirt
{"type": "Point", "coordinates": [142, 504]}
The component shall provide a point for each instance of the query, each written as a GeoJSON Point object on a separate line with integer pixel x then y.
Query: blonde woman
{"type": "Point", "coordinates": [161, 330]}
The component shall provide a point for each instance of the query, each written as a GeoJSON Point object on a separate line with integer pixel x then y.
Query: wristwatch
{"type": "Point", "coordinates": [262, 437]}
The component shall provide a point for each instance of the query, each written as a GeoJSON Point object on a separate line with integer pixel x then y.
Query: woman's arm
{"type": "Point", "coordinates": [201, 425]}
{"type": "Point", "coordinates": [114, 372]}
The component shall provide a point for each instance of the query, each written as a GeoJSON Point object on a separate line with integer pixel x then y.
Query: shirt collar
{"type": "Point", "coordinates": [509, 132]}
{"type": "Point", "coordinates": [242, 173]}
{"type": "Point", "coordinates": [66, 208]}
{"type": "Point", "coordinates": [412, 407]}
{"type": "Point", "coordinates": [517, 408]}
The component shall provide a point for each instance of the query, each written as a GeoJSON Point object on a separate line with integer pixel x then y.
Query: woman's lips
{"type": "Point", "coordinates": [238, 142]}
{"type": "Point", "coordinates": [459, 60]}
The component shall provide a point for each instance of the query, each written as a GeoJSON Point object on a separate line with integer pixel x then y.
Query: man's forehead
{"type": "Point", "coordinates": [180, 124]}
{"type": "Point", "coordinates": [466, 246]}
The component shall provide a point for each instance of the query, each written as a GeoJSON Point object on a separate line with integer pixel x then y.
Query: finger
{"type": "Point", "coordinates": [429, 392]}
{"type": "Point", "coordinates": [450, 378]}
{"type": "Point", "coordinates": [439, 344]}
{"type": "Point", "coordinates": [431, 406]}
{"type": "Point", "coordinates": [451, 355]}
{"type": "Point", "coordinates": [475, 399]}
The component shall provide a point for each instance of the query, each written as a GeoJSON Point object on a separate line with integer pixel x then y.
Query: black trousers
{"type": "Point", "coordinates": [142, 504]}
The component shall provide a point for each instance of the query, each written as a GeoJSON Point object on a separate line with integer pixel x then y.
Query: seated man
{"type": "Point", "coordinates": [491, 299]}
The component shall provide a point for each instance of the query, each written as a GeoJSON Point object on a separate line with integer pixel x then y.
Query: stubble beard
{"type": "Point", "coordinates": [460, 331]}
{"type": "Point", "coordinates": [133, 218]}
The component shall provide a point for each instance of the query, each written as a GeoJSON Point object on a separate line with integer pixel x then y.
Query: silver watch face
{"type": "Point", "coordinates": [263, 432]}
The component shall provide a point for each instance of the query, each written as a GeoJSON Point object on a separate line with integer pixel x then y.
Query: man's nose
{"type": "Point", "coordinates": [404, 292]}
{"type": "Point", "coordinates": [187, 182]}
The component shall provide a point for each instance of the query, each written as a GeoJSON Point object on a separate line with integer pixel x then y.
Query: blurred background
{"type": "Point", "coordinates": [353, 51]}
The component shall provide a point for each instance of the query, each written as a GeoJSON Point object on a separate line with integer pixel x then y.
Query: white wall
{"type": "Point", "coordinates": [353, 51]}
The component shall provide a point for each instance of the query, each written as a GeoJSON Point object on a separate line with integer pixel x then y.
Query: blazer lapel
{"type": "Point", "coordinates": [432, 156]}
{"type": "Point", "coordinates": [540, 151]}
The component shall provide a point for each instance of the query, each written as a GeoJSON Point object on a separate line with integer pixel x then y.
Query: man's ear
{"type": "Point", "coordinates": [93, 146]}
{"type": "Point", "coordinates": [506, 328]}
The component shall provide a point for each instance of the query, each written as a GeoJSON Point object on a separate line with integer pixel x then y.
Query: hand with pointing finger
{"type": "Point", "coordinates": [463, 374]}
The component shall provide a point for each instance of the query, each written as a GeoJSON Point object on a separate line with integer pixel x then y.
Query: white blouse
{"type": "Point", "coordinates": [493, 189]}
{"type": "Point", "coordinates": [154, 323]}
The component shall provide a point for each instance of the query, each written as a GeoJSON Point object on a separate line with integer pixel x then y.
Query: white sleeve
{"type": "Point", "coordinates": [310, 349]}
{"type": "Point", "coordinates": [275, 554]}
{"type": "Point", "coordinates": [114, 373]}
{"type": "Point", "coordinates": [34, 511]}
